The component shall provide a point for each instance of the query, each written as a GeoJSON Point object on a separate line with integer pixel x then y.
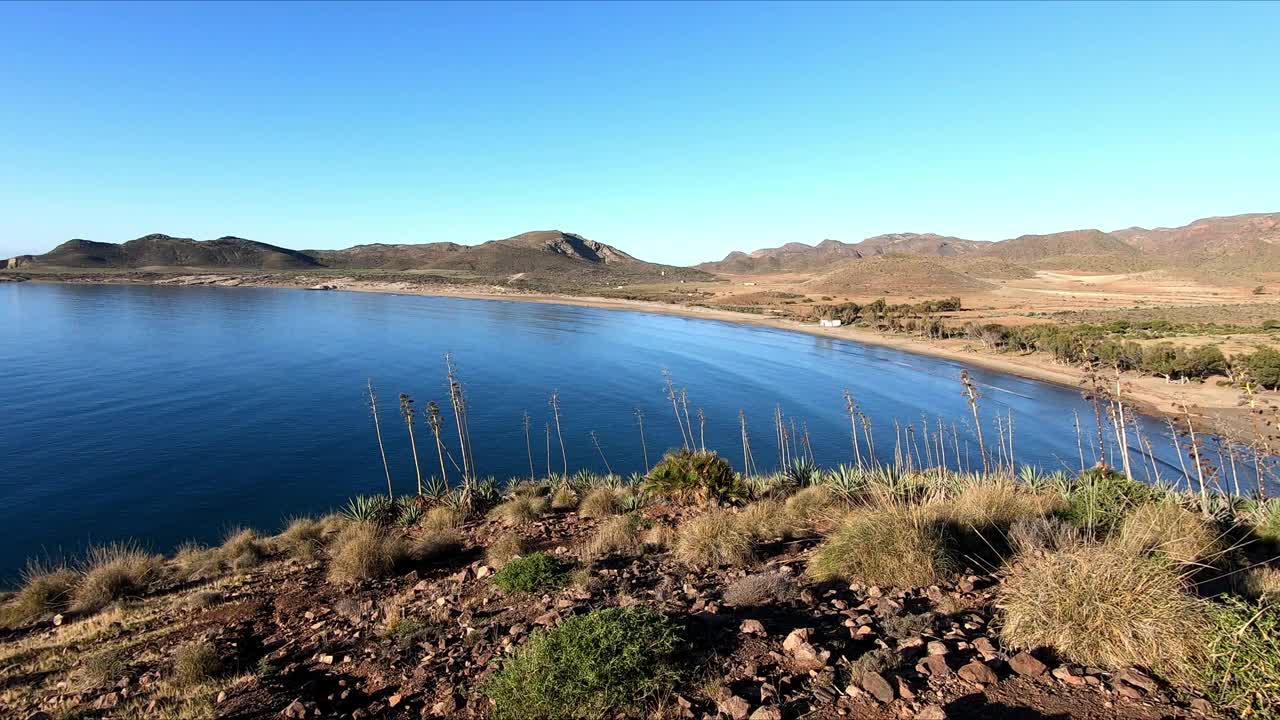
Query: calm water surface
{"type": "Point", "coordinates": [168, 414]}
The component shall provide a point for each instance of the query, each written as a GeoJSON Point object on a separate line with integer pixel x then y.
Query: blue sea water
{"type": "Point", "coordinates": [172, 413]}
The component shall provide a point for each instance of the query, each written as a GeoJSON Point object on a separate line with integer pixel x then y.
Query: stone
{"type": "Point", "coordinates": [296, 710]}
{"type": "Point", "coordinates": [58, 619]}
{"type": "Point", "coordinates": [1138, 679]}
{"type": "Point", "coordinates": [984, 646]}
{"type": "Point", "coordinates": [876, 686]}
{"type": "Point", "coordinates": [936, 647]}
{"type": "Point", "coordinates": [766, 713]}
{"type": "Point", "coordinates": [1202, 706]}
{"type": "Point", "coordinates": [446, 707]}
{"type": "Point", "coordinates": [803, 652]}
{"type": "Point", "coordinates": [735, 707]}
{"type": "Point", "coordinates": [484, 571]}
{"type": "Point", "coordinates": [395, 700]}
{"type": "Point", "coordinates": [931, 712]}
{"type": "Point", "coordinates": [1128, 691]}
{"type": "Point", "coordinates": [106, 702]}
{"type": "Point", "coordinates": [752, 627]}
{"type": "Point", "coordinates": [326, 659]}
{"type": "Point", "coordinates": [978, 673]}
{"type": "Point", "coordinates": [1064, 674]}
{"type": "Point", "coordinates": [1026, 664]}
{"type": "Point", "coordinates": [935, 666]}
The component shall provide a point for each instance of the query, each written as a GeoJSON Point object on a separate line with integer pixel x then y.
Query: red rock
{"type": "Point", "coordinates": [931, 712]}
{"type": "Point", "coordinates": [1026, 664]}
{"type": "Point", "coordinates": [106, 702]}
{"type": "Point", "coordinates": [879, 688]}
{"type": "Point", "coordinates": [735, 707]}
{"type": "Point", "coordinates": [978, 673]}
{"type": "Point", "coordinates": [752, 627]}
{"type": "Point", "coordinates": [296, 710]}
{"type": "Point", "coordinates": [934, 666]}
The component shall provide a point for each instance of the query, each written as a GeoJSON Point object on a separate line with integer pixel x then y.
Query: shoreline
{"type": "Point", "coordinates": [1212, 406]}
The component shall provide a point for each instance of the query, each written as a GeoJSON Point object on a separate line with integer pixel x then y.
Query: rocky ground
{"type": "Point", "coordinates": [765, 643]}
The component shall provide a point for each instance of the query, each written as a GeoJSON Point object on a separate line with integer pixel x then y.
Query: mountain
{"type": "Point", "coordinates": [894, 274]}
{"type": "Point", "coordinates": [1208, 237]}
{"type": "Point", "coordinates": [797, 256]}
{"type": "Point", "coordinates": [532, 257]}
{"type": "Point", "coordinates": [158, 250]}
{"type": "Point", "coordinates": [1073, 243]}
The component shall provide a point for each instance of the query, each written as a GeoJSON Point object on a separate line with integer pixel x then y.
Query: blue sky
{"type": "Point", "coordinates": [678, 132]}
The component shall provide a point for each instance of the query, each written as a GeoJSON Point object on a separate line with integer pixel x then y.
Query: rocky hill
{"type": "Point", "coordinates": [159, 250]}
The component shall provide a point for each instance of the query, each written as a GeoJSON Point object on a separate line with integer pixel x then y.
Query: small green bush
{"type": "Point", "coordinates": [696, 475]}
{"type": "Point", "coordinates": [1243, 671]}
{"type": "Point", "coordinates": [592, 666]}
{"type": "Point", "coordinates": [1100, 499]}
{"type": "Point", "coordinates": [533, 573]}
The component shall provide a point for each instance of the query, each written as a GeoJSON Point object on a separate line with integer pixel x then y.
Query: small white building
{"type": "Point", "coordinates": [829, 323]}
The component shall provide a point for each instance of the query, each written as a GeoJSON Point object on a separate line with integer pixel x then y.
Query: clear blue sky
{"type": "Point", "coordinates": [677, 132]}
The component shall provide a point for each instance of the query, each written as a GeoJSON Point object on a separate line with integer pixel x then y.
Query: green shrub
{"type": "Point", "coordinates": [1243, 669]}
{"type": "Point", "coordinates": [695, 475]}
{"type": "Point", "coordinates": [894, 546]}
{"type": "Point", "coordinates": [1100, 499]}
{"type": "Point", "coordinates": [593, 666]}
{"type": "Point", "coordinates": [533, 573]}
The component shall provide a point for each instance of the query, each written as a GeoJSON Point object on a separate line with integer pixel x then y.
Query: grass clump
{"type": "Point", "coordinates": [1100, 604]}
{"type": "Point", "coordinates": [715, 538]}
{"type": "Point", "coordinates": [1243, 668]}
{"type": "Point", "coordinates": [595, 665]}
{"type": "Point", "coordinates": [599, 503]}
{"type": "Point", "coordinates": [1169, 530]}
{"type": "Point", "coordinates": [700, 476]}
{"type": "Point", "coordinates": [433, 545]}
{"type": "Point", "coordinates": [533, 573]}
{"type": "Point", "coordinates": [363, 551]}
{"type": "Point", "coordinates": [303, 538]}
{"type": "Point", "coordinates": [196, 663]}
{"type": "Point", "coordinates": [1043, 534]}
{"type": "Point", "coordinates": [46, 590]}
{"type": "Point", "coordinates": [113, 572]}
{"type": "Point", "coordinates": [1266, 521]}
{"type": "Point", "coordinates": [520, 509]}
{"type": "Point", "coordinates": [242, 548]}
{"type": "Point", "coordinates": [811, 508]}
{"type": "Point", "coordinates": [103, 668]}
{"type": "Point", "coordinates": [659, 537]}
{"type": "Point", "coordinates": [765, 520]}
{"type": "Point", "coordinates": [1262, 583]}
{"type": "Point", "coordinates": [443, 518]}
{"type": "Point", "coordinates": [984, 506]}
{"type": "Point", "coordinates": [1099, 499]}
{"type": "Point", "coordinates": [892, 546]}
{"type": "Point", "coordinates": [504, 548]}
{"type": "Point", "coordinates": [564, 498]}
{"type": "Point", "coordinates": [619, 534]}
{"type": "Point", "coordinates": [762, 589]}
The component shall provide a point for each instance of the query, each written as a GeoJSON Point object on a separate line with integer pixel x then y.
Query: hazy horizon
{"type": "Point", "coordinates": [676, 132]}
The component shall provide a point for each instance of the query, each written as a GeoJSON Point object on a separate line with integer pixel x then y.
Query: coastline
{"type": "Point", "coordinates": [1213, 407]}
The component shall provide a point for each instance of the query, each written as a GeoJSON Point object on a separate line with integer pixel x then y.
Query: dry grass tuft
{"type": "Point", "coordinates": [762, 589]}
{"type": "Point", "coordinates": [619, 534]}
{"type": "Point", "coordinates": [1043, 534]}
{"type": "Point", "coordinates": [364, 551]}
{"type": "Point", "coordinates": [101, 669]}
{"type": "Point", "coordinates": [520, 510]}
{"type": "Point", "coordinates": [894, 546]}
{"type": "Point", "coordinates": [46, 590]}
{"type": "Point", "coordinates": [242, 548]}
{"type": "Point", "coordinates": [564, 499]}
{"type": "Point", "coordinates": [196, 663]}
{"type": "Point", "coordinates": [1100, 604]}
{"type": "Point", "coordinates": [434, 545]}
{"type": "Point", "coordinates": [715, 538]}
{"type": "Point", "coordinates": [765, 520]}
{"type": "Point", "coordinates": [504, 548]}
{"type": "Point", "coordinates": [987, 505]}
{"type": "Point", "coordinates": [599, 503]}
{"type": "Point", "coordinates": [1169, 530]}
{"type": "Point", "coordinates": [1262, 583]}
{"type": "Point", "coordinates": [661, 536]}
{"type": "Point", "coordinates": [303, 538]}
{"type": "Point", "coordinates": [113, 572]}
{"type": "Point", "coordinates": [443, 518]}
{"type": "Point", "coordinates": [812, 508]}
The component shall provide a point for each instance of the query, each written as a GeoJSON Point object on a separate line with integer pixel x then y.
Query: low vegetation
{"type": "Point", "coordinates": [113, 572]}
{"type": "Point", "coordinates": [889, 546]}
{"type": "Point", "coordinates": [535, 572]}
{"type": "Point", "coordinates": [696, 476]}
{"type": "Point", "coordinates": [366, 552]}
{"type": "Point", "coordinates": [595, 665]}
{"type": "Point", "coordinates": [715, 538]}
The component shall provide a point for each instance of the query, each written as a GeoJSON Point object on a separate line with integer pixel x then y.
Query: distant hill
{"type": "Point", "coordinates": [543, 256]}
{"type": "Point", "coordinates": [894, 275]}
{"type": "Point", "coordinates": [1238, 244]}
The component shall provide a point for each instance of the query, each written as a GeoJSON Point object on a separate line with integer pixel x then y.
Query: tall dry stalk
{"type": "Point", "coordinates": [407, 412]}
{"type": "Point", "coordinates": [702, 430]}
{"type": "Point", "coordinates": [684, 401]}
{"type": "Point", "coordinates": [555, 413]}
{"type": "Point", "coordinates": [1079, 438]}
{"type": "Point", "coordinates": [851, 407]}
{"type": "Point", "coordinates": [459, 401]}
{"type": "Point", "coordinates": [377, 428]}
{"type": "Point", "coordinates": [674, 397]}
{"type": "Point", "coordinates": [434, 422]}
{"type": "Point", "coordinates": [644, 446]}
{"type": "Point", "coordinates": [971, 396]}
{"type": "Point", "coordinates": [746, 444]}
{"type": "Point", "coordinates": [596, 441]}
{"type": "Point", "coordinates": [1195, 454]}
{"type": "Point", "coordinates": [547, 425]}
{"type": "Point", "coordinates": [528, 443]}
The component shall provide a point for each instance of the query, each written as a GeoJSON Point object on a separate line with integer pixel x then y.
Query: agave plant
{"type": "Point", "coordinates": [582, 480]}
{"type": "Point", "coordinates": [847, 482]}
{"type": "Point", "coordinates": [633, 501]}
{"type": "Point", "coordinates": [487, 492]}
{"type": "Point", "coordinates": [802, 472]}
{"type": "Point", "coordinates": [435, 489]}
{"type": "Point", "coordinates": [410, 512]}
{"type": "Point", "coordinates": [372, 509]}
